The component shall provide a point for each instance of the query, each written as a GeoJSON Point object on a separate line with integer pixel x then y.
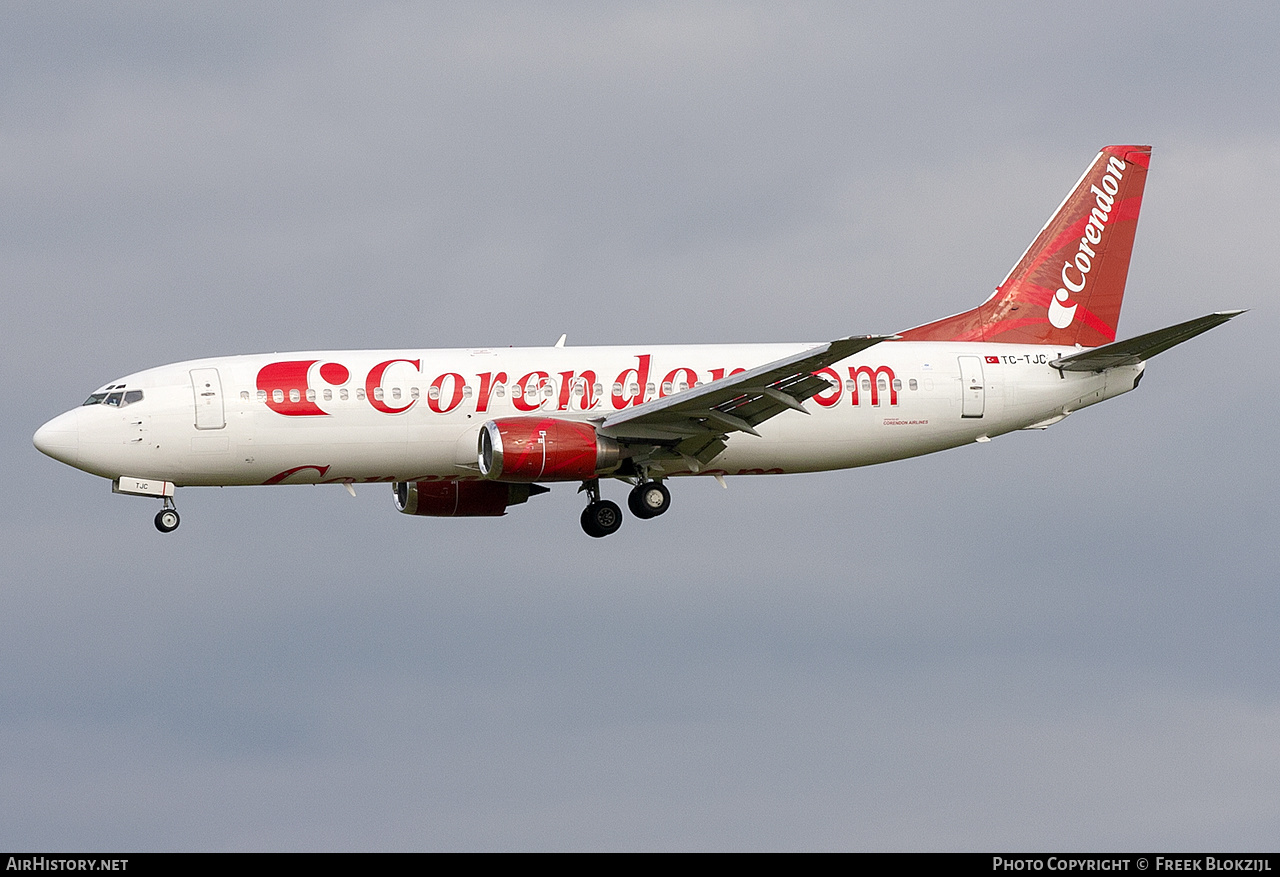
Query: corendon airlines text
{"type": "Point", "coordinates": [292, 387]}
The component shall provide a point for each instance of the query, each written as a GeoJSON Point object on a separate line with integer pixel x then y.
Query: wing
{"type": "Point", "coordinates": [1141, 348]}
{"type": "Point", "coordinates": [692, 426]}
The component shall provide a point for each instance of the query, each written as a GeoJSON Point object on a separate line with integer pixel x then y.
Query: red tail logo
{"type": "Point", "coordinates": [1068, 286]}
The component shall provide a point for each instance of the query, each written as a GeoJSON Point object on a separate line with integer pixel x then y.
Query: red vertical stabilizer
{"type": "Point", "coordinates": [1068, 286]}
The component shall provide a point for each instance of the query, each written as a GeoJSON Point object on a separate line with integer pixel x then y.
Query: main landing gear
{"type": "Point", "coordinates": [648, 499]}
{"type": "Point", "coordinates": [167, 519]}
{"type": "Point", "coordinates": [601, 517]}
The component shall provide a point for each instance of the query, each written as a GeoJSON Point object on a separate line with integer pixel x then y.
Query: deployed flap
{"type": "Point", "coordinates": [694, 422]}
{"type": "Point", "coordinates": [1141, 348]}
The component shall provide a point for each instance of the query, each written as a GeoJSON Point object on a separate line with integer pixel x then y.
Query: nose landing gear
{"type": "Point", "coordinates": [167, 519]}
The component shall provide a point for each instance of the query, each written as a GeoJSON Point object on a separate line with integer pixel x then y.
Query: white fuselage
{"type": "Point", "coordinates": [414, 415]}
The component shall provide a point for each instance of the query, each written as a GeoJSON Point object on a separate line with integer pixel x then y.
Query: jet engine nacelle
{"type": "Point", "coordinates": [460, 499]}
{"type": "Point", "coordinates": [545, 449]}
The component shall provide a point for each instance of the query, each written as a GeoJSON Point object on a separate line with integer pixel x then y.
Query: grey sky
{"type": "Point", "coordinates": [1059, 640]}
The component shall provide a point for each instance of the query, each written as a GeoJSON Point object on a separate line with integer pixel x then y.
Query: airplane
{"type": "Point", "coordinates": [472, 432]}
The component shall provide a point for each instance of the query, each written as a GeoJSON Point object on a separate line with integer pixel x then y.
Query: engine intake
{"type": "Point", "coordinates": [545, 449]}
{"type": "Point", "coordinates": [461, 499]}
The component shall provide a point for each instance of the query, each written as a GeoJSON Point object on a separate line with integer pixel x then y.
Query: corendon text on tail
{"type": "Point", "coordinates": [471, 432]}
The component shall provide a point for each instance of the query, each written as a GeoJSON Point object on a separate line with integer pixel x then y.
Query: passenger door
{"type": "Point", "coordinates": [207, 388]}
{"type": "Point", "coordinates": [973, 393]}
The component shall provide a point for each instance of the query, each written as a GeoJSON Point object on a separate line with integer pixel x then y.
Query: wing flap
{"type": "Point", "coordinates": [693, 422]}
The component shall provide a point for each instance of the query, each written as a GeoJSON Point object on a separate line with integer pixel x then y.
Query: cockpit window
{"type": "Point", "coordinates": [118, 397]}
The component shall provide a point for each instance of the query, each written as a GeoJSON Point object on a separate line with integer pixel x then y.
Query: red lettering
{"type": "Point", "coordinates": [519, 398]}
{"type": "Point", "coordinates": [872, 376]}
{"type": "Point", "coordinates": [832, 396]}
{"type": "Point", "coordinates": [587, 400]}
{"type": "Point", "coordinates": [691, 378]}
{"type": "Point", "coordinates": [621, 399]}
{"type": "Point", "coordinates": [287, 377]}
{"type": "Point", "coordinates": [487, 382]}
{"type": "Point", "coordinates": [438, 386]}
{"type": "Point", "coordinates": [281, 476]}
{"type": "Point", "coordinates": [334, 373]}
{"type": "Point", "coordinates": [374, 381]}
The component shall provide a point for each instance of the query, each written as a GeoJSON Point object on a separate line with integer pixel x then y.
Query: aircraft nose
{"type": "Point", "coordinates": [60, 438]}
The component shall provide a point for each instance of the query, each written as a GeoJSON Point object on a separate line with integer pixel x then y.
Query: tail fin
{"type": "Point", "coordinates": [1067, 287]}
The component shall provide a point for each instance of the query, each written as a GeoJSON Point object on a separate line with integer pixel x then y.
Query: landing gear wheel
{"type": "Point", "coordinates": [601, 518]}
{"type": "Point", "coordinates": [167, 520]}
{"type": "Point", "coordinates": [648, 499]}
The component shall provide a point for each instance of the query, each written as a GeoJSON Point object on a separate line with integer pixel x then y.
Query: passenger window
{"type": "Point", "coordinates": [294, 395]}
{"type": "Point", "coordinates": [897, 383]}
{"type": "Point", "coordinates": [466, 391]}
{"type": "Point", "coordinates": [328, 395]}
{"type": "Point", "coordinates": [342, 395]}
{"type": "Point", "coordinates": [912, 384]}
{"type": "Point", "coordinates": [433, 393]}
{"type": "Point", "coordinates": [244, 396]}
{"type": "Point", "coordinates": [277, 395]}
{"type": "Point", "coordinates": [866, 385]}
{"type": "Point", "coordinates": [395, 393]}
{"type": "Point", "coordinates": [262, 395]}
{"type": "Point", "coordinates": [377, 393]}
{"type": "Point", "coordinates": [311, 395]}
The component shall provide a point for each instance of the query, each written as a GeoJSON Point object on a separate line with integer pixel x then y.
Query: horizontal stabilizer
{"type": "Point", "coordinates": [1141, 348]}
